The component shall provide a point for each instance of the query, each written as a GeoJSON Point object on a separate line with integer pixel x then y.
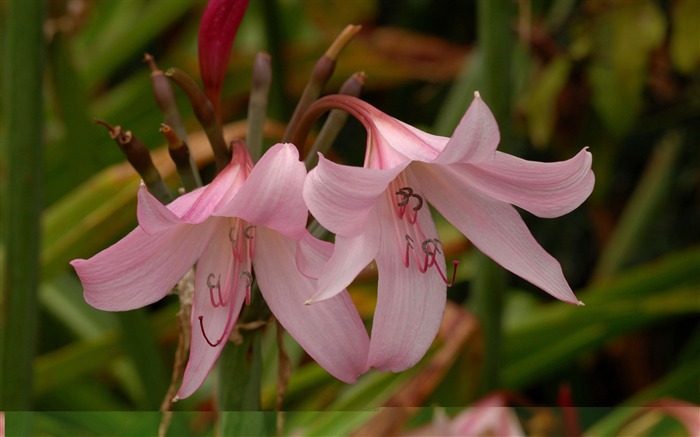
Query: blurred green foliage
{"type": "Point", "coordinates": [620, 77]}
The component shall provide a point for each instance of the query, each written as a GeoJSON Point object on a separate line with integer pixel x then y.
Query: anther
{"type": "Point", "coordinates": [406, 192]}
{"type": "Point", "coordinates": [248, 284]}
{"type": "Point", "coordinates": [420, 202]}
{"type": "Point", "coordinates": [212, 286]}
{"type": "Point", "coordinates": [233, 239]}
{"type": "Point", "coordinates": [426, 247]}
{"type": "Point", "coordinates": [409, 246]}
{"type": "Point", "coordinates": [247, 230]}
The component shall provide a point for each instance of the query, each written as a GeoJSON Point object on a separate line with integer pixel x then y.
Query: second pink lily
{"type": "Point", "coordinates": [380, 212]}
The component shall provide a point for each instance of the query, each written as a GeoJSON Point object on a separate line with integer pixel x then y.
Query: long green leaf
{"type": "Point", "coordinates": [557, 334]}
{"type": "Point", "coordinates": [22, 104]}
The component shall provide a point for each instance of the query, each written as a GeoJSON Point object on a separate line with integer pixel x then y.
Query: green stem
{"type": "Point", "coordinates": [240, 376]}
{"type": "Point", "coordinates": [274, 30]}
{"type": "Point", "coordinates": [23, 66]}
{"type": "Point", "coordinates": [488, 287]}
{"type": "Point", "coordinates": [141, 345]}
{"type": "Point", "coordinates": [257, 105]}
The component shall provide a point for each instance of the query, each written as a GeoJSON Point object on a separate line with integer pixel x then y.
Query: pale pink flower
{"type": "Point", "coordinates": [380, 212]}
{"type": "Point", "coordinates": [488, 417]}
{"type": "Point", "coordinates": [686, 413]}
{"type": "Point", "coordinates": [246, 219]}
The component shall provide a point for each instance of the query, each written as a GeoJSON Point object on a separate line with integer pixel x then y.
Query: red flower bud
{"type": "Point", "coordinates": [216, 33]}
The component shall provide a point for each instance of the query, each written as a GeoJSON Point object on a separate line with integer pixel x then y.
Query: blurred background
{"type": "Point", "coordinates": [619, 77]}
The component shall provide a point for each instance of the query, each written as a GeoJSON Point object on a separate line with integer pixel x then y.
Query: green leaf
{"type": "Point", "coordinates": [22, 144]}
{"type": "Point", "coordinates": [557, 334]}
{"type": "Point", "coordinates": [685, 35]}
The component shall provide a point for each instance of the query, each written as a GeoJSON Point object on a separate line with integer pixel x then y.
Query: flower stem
{"type": "Point", "coordinates": [494, 36]}
{"type": "Point", "coordinates": [204, 111]}
{"type": "Point", "coordinates": [240, 374]}
{"type": "Point", "coordinates": [257, 105]}
{"type": "Point", "coordinates": [165, 98]}
{"type": "Point", "coordinates": [335, 122]}
{"type": "Point", "coordinates": [320, 75]}
{"type": "Point", "coordinates": [23, 69]}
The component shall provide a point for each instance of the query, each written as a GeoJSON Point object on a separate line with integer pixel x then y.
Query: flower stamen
{"type": "Point", "coordinates": [407, 193]}
{"type": "Point", "coordinates": [211, 286]}
{"type": "Point", "coordinates": [248, 285]}
{"type": "Point", "coordinates": [204, 333]}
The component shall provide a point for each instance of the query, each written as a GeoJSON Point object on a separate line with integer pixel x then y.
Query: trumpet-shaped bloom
{"type": "Point", "coordinates": [380, 212]}
{"type": "Point", "coordinates": [247, 218]}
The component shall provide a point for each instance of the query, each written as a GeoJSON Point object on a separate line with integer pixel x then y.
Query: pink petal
{"type": "Point", "coordinates": [193, 207]}
{"type": "Point", "coordinates": [342, 197]}
{"type": "Point", "coordinates": [685, 412]}
{"type": "Point", "coordinates": [155, 217]}
{"type": "Point", "coordinates": [545, 189]}
{"type": "Point", "coordinates": [496, 229]}
{"type": "Point", "coordinates": [312, 255]}
{"type": "Point", "coordinates": [390, 142]}
{"type": "Point", "coordinates": [489, 416]}
{"type": "Point", "coordinates": [219, 312]}
{"type": "Point", "coordinates": [410, 304]}
{"type": "Point", "coordinates": [350, 256]}
{"type": "Point", "coordinates": [224, 187]}
{"type": "Point", "coordinates": [272, 194]}
{"type": "Point", "coordinates": [216, 34]}
{"type": "Point", "coordinates": [476, 137]}
{"type": "Point", "coordinates": [140, 268]}
{"type": "Point", "coordinates": [331, 331]}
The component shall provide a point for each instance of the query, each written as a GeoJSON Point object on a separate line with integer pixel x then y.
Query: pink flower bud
{"type": "Point", "coordinates": [216, 33]}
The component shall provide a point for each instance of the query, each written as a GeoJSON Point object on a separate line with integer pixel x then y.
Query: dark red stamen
{"type": "Point", "coordinates": [201, 325]}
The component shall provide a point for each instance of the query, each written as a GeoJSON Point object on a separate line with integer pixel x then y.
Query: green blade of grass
{"type": "Point", "coordinates": [22, 96]}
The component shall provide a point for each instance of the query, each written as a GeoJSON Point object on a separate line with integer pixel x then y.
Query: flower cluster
{"type": "Point", "coordinates": [249, 224]}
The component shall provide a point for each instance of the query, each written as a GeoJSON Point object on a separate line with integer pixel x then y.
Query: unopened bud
{"type": "Point", "coordinates": [139, 157]}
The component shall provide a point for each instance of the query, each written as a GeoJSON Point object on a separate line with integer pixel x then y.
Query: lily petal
{"type": "Point", "coordinates": [476, 137]}
{"type": "Point", "coordinates": [155, 217]}
{"type": "Point", "coordinates": [496, 229]}
{"type": "Point", "coordinates": [410, 304]}
{"type": "Point", "coordinates": [218, 298]}
{"type": "Point", "coordinates": [546, 189]}
{"type": "Point", "coordinates": [312, 255]}
{"type": "Point", "coordinates": [193, 207]}
{"type": "Point", "coordinates": [390, 142]}
{"type": "Point", "coordinates": [342, 197]}
{"type": "Point", "coordinates": [350, 256]}
{"type": "Point", "coordinates": [140, 268]}
{"type": "Point", "coordinates": [271, 195]}
{"type": "Point", "coordinates": [331, 331]}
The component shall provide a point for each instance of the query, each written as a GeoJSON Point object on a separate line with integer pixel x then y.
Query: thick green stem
{"type": "Point", "coordinates": [494, 35]}
{"type": "Point", "coordinates": [141, 346]}
{"type": "Point", "coordinates": [274, 31]}
{"type": "Point", "coordinates": [240, 373]}
{"type": "Point", "coordinates": [22, 87]}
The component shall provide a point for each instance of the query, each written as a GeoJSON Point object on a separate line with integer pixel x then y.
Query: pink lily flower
{"type": "Point", "coordinates": [248, 218]}
{"type": "Point", "coordinates": [488, 416]}
{"type": "Point", "coordinates": [217, 31]}
{"type": "Point", "coordinates": [380, 212]}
